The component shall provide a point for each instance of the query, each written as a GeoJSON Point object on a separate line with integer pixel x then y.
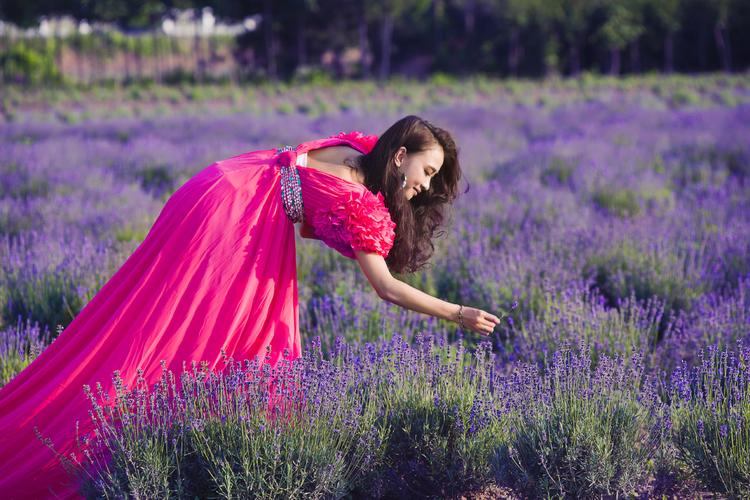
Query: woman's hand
{"type": "Point", "coordinates": [477, 320]}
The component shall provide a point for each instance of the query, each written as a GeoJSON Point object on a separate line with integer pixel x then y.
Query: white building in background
{"type": "Point", "coordinates": [177, 23]}
{"type": "Point", "coordinates": [195, 22]}
{"type": "Point", "coordinates": [57, 26]}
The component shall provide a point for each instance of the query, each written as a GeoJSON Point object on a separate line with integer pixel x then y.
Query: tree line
{"type": "Point", "coordinates": [529, 38]}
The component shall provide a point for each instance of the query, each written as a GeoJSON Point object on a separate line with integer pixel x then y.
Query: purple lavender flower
{"type": "Point", "coordinates": [667, 424]}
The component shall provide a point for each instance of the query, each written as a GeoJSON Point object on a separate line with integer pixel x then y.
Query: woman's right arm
{"type": "Point", "coordinates": [396, 291]}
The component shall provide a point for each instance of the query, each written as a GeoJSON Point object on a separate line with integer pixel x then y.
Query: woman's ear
{"type": "Point", "coordinates": [399, 157]}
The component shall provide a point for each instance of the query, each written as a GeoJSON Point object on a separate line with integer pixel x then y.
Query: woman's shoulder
{"type": "Point", "coordinates": [335, 161]}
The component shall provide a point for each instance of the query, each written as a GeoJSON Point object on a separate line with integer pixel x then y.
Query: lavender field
{"type": "Point", "coordinates": [608, 220]}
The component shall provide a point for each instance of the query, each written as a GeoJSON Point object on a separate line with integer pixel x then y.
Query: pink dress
{"type": "Point", "coordinates": [217, 270]}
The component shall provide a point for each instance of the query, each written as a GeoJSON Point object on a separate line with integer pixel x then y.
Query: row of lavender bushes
{"type": "Point", "coordinates": [320, 99]}
{"type": "Point", "coordinates": [424, 419]}
{"type": "Point", "coordinates": [571, 314]}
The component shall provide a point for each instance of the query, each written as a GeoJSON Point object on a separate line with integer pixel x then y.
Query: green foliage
{"type": "Point", "coordinates": [18, 183]}
{"type": "Point", "coordinates": [19, 346]}
{"type": "Point", "coordinates": [314, 77]}
{"type": "Point", "coordinates": [156, 178]}
{"type": "Point", "coordinates": [12, 363]}
{"type": "Point", "coordinates": [442, 79]}
{"type": "Point", "coordinates": [726, 98]}
{"type": "Point", "coordinates": [237, 461]}
{"type": "Point", "coordinates": [50, 298]}
{"type": "Point", "coordinates": [658, 200]}
{"type": "Point", "coordinates": [25, 65]}
{"type": "Point", "coordinates": [285, 108]}
{"type": "Point", "coordinates": [179, 76]}
{"type": "Point", "coordinates": [685, 97]}
{"type": "Point", "coordinates": [15, 223]}
{"type": "Point", "coordinates": [558, 172]}
{"type": "Point", "coordinates": [618, 202]}
{"type": "Point", "coordinates": [623, 24]}
{"type": "Point", "coordinates": [711, 165]}
{"type": "Point", "coordinates": [72, 103]}
{"type": "Point", "coordinates": [626, 269]}
{"type": "Point", "coordinates": [131, 232]}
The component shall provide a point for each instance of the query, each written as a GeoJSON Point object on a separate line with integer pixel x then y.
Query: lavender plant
{"type": "Point", "coordinates": [584, 432]}
{"type": "Point", "coordinates": [656, 272]}
{"type": "Point", "coordinates": [718, 319]}
{"type": "Point", "coordinates": [247, 430]}
{"type": "Point", "coordinates": [441, 407]}
{"type": "Point", "coordinates": [19, 346]}
{"type": "Point", "coordinates": [711, 419]}
{"type": "Point", "coordinates": [578, 314]}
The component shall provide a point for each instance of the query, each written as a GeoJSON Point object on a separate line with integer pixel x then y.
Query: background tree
{"type": "Point", "coordinates": [668, 15]}
{"type": "Point", "coordinates": [721, 9]}
{"type": "Point", "coordinates": [573, 20]}
{"type": "Point", "coordinates": [518, 15]}
{"type": "Point", "coordinates": [623, 25]}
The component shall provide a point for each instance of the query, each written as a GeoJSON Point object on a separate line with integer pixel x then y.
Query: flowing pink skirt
{"type": "Point", "coordinates": [217, 271]}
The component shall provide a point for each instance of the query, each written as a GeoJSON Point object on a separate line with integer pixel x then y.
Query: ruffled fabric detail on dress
{"type": "Point", "coordinates": [357, 221]}
{"type": "Point", "coordinates": [367, 141]}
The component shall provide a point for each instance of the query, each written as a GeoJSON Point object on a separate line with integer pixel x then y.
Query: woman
{"type": "Point", "coordinates": [217, 272]}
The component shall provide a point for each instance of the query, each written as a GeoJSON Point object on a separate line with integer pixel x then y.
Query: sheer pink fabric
{"type": "Point", "coordinates": [217, 270]}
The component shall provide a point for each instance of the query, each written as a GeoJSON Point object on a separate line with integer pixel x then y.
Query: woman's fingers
{"type": "Point", "coordinates": [483, 322]}
{"type": "Point", "coordinates": [486, 327]}
{"type": "Point", "coordinates": [489, 317]}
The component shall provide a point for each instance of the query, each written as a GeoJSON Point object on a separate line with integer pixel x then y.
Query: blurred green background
{"type": "Point", "coordinates": [118, 41]}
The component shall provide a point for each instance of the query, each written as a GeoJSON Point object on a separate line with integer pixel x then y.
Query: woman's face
{"type": "Point", "coordinates": [419, 168]}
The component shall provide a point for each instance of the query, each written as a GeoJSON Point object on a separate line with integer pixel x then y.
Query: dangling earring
{"type": "Point", "coordinates": [403, 178]}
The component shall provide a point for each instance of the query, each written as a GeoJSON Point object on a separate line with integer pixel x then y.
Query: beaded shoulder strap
{"type": "Point", "coordinates": [291, 186]}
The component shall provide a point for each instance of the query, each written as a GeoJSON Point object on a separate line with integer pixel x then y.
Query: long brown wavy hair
{"type": "Point", "coordinates": [418, 219]}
